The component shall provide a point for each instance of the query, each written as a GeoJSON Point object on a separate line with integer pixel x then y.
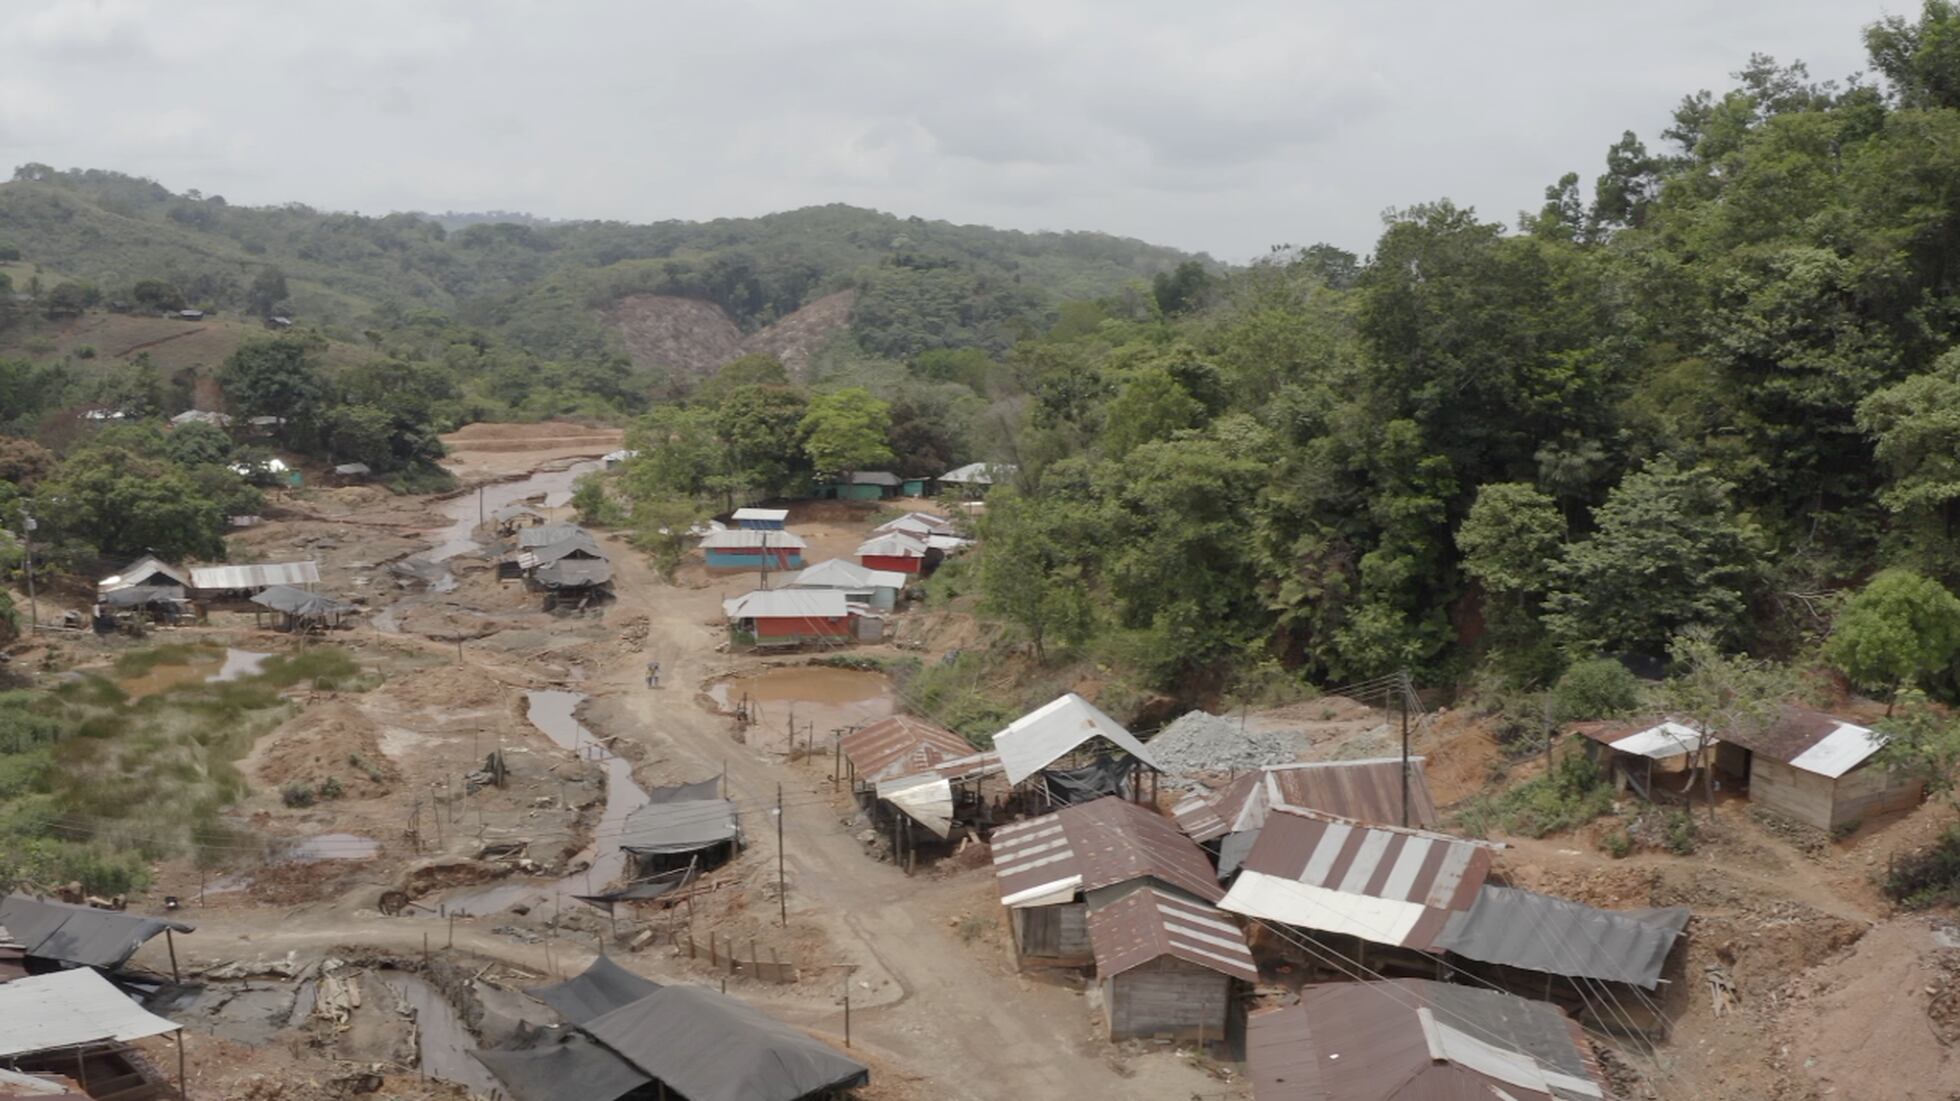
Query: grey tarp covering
{"type": "Point", "coordinates": [680, 826]}
{"type": "Point", "coordinates": [710, 1047]}
{"type": "Point", "coordinates": [597, 991]}
{"type": "Point", "coordinates": [574, 1065]}
{"type": "Point", "coordinates": [137, 596]}
{"type": "Point", "coordinates": [574, 573]}
{"type": "Point", "coordinates": [687, 793]}
{"type": "Point", "coordinates": [632, 892]}
{"type": "Point", "coordinates": [79, 934]}
{"type": "Point", "coordinates": [285, 598]}
{"type": "Point", "coordinates": [1519, 928]}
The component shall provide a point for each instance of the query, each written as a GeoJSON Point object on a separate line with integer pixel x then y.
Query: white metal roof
{"type": "Point", "coordinates": [256, 576]}
{"type": "Point", "coordinates": [140, 571]}
{"type": "Point", "coordinates": [977, 473]}
{"type": "Point", "coordinates": [948, 543]}
{"type": "Point", "coordinates": [774, 603]}
{"type": "Point", "coordinates": [69, 1008]}
{"type": "Point", "coordinates": [1291, 902]}
{"type": "Point", "coordinates": [893, 544]}
{"type": "Point", "coordinates": [744, 539]}
{"type": "Point", "coordinates": [916, 524]}
{"type": "Point", "coordinates": [842, 573]}
{"type": "Point", "coordinates": [1048, 733]}
{"type": "Point", "coordinates": [1840, 751]}
{"type": "Point", "coordinates": [761, 514]}
{"type": "Point", "coordinates": [1669, 739]}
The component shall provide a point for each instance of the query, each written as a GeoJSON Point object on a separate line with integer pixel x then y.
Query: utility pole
{"type": "Point", "coordinates": [782, 882]}
{"type": "Point", "coordinates": [1402, 683]}
{"type": "Point", "coordinates": [27, 545]}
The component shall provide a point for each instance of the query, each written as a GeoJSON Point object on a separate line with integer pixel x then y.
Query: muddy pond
{"type": "Point", "coordinates": [826, 696]}
{"type": "Point", "coordinates": [208, 667]}
{"type": "Point", "coordinates": [466, 510]}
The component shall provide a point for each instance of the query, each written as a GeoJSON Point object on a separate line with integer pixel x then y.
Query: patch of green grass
{"type": "Point", "coordinates": [310, 665]}
{"type": "Point", "coordinates": [956, 695]}
{"type": "Point", "coordinates": [138, 662]}
{"type": "Point", "coordinates": [1571, 795]}
{"type": "Point", "coordinates": [1930, 877]}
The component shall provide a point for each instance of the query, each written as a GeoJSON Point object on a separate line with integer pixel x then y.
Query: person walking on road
{"type": "Point", "coordinates": [653, 674]}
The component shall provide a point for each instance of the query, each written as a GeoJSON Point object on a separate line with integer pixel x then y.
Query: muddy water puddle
{"type": "Point", "coordinates": [467, 510]}
{"type": "Point", "coordinates": [828, 697]}
{"type": "Point", "coordinates": [552, 712]}
{"type": "Point", "coordinates": [216, 668]}
{"type": "Point", "coordinates": [443, 1044]}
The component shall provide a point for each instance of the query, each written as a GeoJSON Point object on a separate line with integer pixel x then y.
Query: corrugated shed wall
{"type": "Point", "coordinates": [1167, 996]}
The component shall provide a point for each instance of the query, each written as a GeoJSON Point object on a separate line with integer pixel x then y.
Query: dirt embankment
{"type": "Point", "coordinates": [692, 338]}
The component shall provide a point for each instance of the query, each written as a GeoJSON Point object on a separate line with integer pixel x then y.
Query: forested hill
{"type": "Point", "coordinates": [546, 285]}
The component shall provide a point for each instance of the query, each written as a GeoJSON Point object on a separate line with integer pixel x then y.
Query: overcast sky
{"type": "Point", "coordinates": [1225, 127]}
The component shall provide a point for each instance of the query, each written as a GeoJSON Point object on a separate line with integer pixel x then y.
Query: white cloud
{"type": "Point", "coordinates": [1220, 127]}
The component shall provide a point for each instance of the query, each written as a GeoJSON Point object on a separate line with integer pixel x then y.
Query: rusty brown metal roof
{"type": "Point", "coordinates": [901, 746]}
{"type": "Point", "coordinates": [1416, 1040]}
{"type": "Point", "coordinates": [1098, 844]}
{"type": "Point", "coordinates": [1366, 791]}
{"type": "Point", "coordinates": [1388, 885]}
{"type": "Point", "coordinates": [1197, 815]}
{"type": "Point", "coordinates": [1785, 738]}
{"type": "Point", "coordinates": [1147, 924]}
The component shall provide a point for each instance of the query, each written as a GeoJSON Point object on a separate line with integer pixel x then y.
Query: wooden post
{"type": "Point", "coordinates": [171, 943]}
{"type": "Point", "coordinates": [713, 960]}
{"type": "Point", "coordinates": [782, 879]}
{"type": "Point", "coordinates": [452, 932]}
{"type": "Point", "coordinates": [847, 1011]}
{"type": "Point", "coordinates": [183, 1082]}
{"type": "Point", "coordinates": [425, 950]}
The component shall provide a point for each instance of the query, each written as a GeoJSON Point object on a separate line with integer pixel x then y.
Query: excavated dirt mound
{"type": "Point", "coordinates": [330, 739]}
{"type": "Point", "coordinates": [684, 335]}
{"type": "Point", "coordinates": [798, 337]}
{"type": "Point", "coordinates": [1881, 1021]}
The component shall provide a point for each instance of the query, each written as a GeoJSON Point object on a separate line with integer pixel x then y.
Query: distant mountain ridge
{"type": "Point", "coordinates": [552, 287]}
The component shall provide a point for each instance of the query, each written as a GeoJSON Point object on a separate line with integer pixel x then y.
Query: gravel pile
{"type": "Point", "coordinates": [1203, 742]}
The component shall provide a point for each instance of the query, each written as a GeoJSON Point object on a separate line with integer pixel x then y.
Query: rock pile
{"type": "Point", "coordinates": [1202, 742]}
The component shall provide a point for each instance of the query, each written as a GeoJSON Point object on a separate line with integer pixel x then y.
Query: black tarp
{"type": "Point", "coordinates": [138, 596]}
{"type": "Point", "coordinates": [558, 1067]}
{"type": "Point", "coordinates": [683, 818]}
{"type": "Point", "coordinates": [597, 991]}
{"type": "Point", "coordinates": [710, 1047]}
{"type": "Point", "coordinates": [1069, 786]}
{"type": "Point", "coordinates": [79, 934]}
{"type": "Point", "coordinates": [687, 793]}
{"type": "Point", "coordinates": [575, 573]}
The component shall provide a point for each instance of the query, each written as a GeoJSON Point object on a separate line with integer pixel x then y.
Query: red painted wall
{"type": "Point", "coordinates": [890, 562]}
{"type": "Point", "coordinates": [803, 627]}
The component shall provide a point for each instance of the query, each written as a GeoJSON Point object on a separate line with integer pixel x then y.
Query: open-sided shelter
{"type": "Point", "coordinates": [1062, 732]}
{"type": "Point", "coordinates": [544, 535]}
{"type": "Point", "coordinates": [77, 1023]}
{"type": "Point", "coordinates": [598, 990]}
{"type": "Point", "coordinates": [298, 609]}
{"type": "Point", "coordinates": [219, 584]}
{"type": "Point", "coordinates": [1817, 769]}
{"type": "Point", "coordinates": [80, 936]}
{"type": "Point", "coordinates": [1416, 1040]}
{"type": "Point", "coordinates": [681, 826]}
{"type": "Point", "coordinates": [1654, 759]}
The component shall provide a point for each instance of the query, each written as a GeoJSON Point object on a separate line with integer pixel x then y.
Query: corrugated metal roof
{"type": "Point", "coordinates": [70, 1008]}
{"type": "Point", "coordinates": [255, 577]}
{"type": "Point", "coordinates": [1364, 790]}
{"type": "Point", "coordinates": [1091, 845]}
{"type": "Point", "coordinates": [353, 468]}
{"type": "Point", "coordinates": [842, 573]}
{"type": "Point", "coordinates": [1147, 924]}
{"type": "Point", "coordinates": [580, 546]}
{"type": "Point", "coordinates": [900, 746]}
{"type": "Point", "coordinates": [1518, 928]}
{"type": "Point", "coordinates": [1198, 818]}
{"type": "Point", "coordinates": [874, 478]}
{"type": "Point", "coordinates": [1054, 730]}
{"type": "Point", "coordinates": [978, 473]}
{"type": "Point", "coordinates": [892, 544]}
{"type": "Point", "coordinates": [927, 795]}
{"type": "Point", "coordinates": [574, 573]}
{"type": "Point", "coordinates": [1416, 1040]}
{"type": "Point", "coordinates": [1657, 741]}
{"type": "Point", "coordinates": [55, 1087]}
{"type": "Point", "coordinates": [1840, 745]}
{"type": "Point", "coordinates": [761, 514]}
{"type": "Point", "coordinates": [140, 571]}
{"type": "Point", "coordinates": [747, 539]}
{"type": "Point", "coordinates": [780, 603]}
{"type": "Point", "coordinates": [1380, 883]}
{"type": "Point", "coordinates": [544, 535]}
{"type": "Point", "coordinates": [917, 524]}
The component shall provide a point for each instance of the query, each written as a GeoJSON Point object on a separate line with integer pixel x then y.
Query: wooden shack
{"type": "Point", "coordinates": [1170, 966]}
{"type": "Point", "coordinates": [1817, 769]}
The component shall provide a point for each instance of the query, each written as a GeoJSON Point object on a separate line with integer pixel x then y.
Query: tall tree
{"type": "Point", "coordinates": [1899, 628]}
{"type": "Point", "coordinates": [845, 430]}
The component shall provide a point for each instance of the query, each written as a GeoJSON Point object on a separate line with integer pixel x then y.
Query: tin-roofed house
{"type": "Point", "coordinates": [760, 519]}
{"type": "Point", "coordinates": [737, 549]}
{"type": "Point", "coordinates": [1372, 790]}
{"type": "Point", "coordinates": [896, 552]}
{"type": "Point", "coordinates": [1113, 887]}
{"type": "Point", "coordinates": [868, 485]}
{"type": "Point", "coordinates": [769, 618]}
{"type": "Point", "coordinates": [1817, 769]}
{"type": "Point", "coordinates": [877, 588]}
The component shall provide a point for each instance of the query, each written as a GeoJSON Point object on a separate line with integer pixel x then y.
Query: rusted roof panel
{"type": "Point", "coordinates": [1366, 791]}
{"type": "Point", "coordinates": [1415, 1040]}
{"type": "Point", "coordinates": [1092, 845]}
{"type": "Point", "coordinates": [1388, 885]}
{"type": "Point", "coordinates": [1797, 730]}
{"type": "Point", "coordinates": [1198, 817]}
{"type": "Point", "coordinates": [899, 746]}
{"type": "Point", "coordinates": [1147, 924]}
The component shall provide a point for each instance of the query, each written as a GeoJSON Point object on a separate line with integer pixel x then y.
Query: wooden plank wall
{"type": "Point", "coordinates": [1793, 793]}
{"type": "Point", "coordinates": [1869, 791]}
{"type": "Point", "coordinates": [1168, 997]}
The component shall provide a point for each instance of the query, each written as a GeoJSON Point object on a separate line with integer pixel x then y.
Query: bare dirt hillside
{"type": "Point", "coordinates": [684, 335]}
{"type": "Point", "coordinates": [797, 337]}
{"type": "Point", "coordinates": [692, 338]}
{"type": "Point", "coordinates": [170, 344]}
